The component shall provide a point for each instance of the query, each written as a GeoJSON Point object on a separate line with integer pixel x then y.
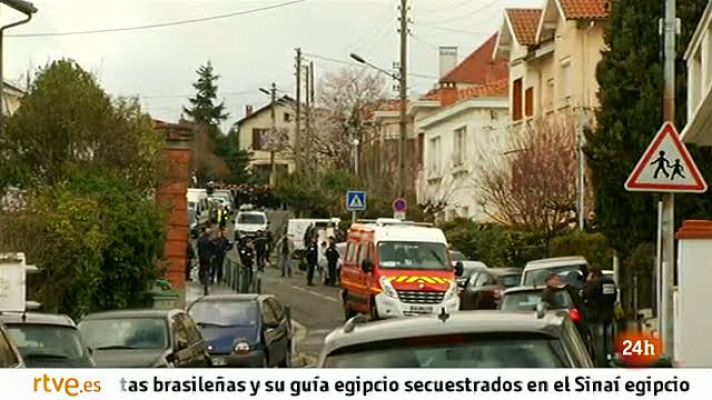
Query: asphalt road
{"type": "Point", "coordinates": [317, 308]}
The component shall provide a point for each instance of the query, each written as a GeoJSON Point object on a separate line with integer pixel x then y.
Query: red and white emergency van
{"type": "Point", "coordinates": [395, 268]}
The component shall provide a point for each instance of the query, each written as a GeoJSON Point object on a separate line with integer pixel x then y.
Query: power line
{"type": "Point", "coordinates": [453, 30]}
{"type": "Point", "coordinates": [159, 25]}
{"type": "Point", "coordinates": [469, 14]}
{"type": "Point", "coordinates": [353, 63]}
{"type": "Point", "coordinates": [424, 42]}
{"type": "Point", "coordinates": [447, 8]}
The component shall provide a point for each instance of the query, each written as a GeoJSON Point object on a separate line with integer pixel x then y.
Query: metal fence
{"type": "Point", "coordinates": [240, 278]}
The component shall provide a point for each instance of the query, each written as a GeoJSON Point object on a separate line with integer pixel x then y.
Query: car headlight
{"type": "Point", "coordinates": [451, 291]}
{"type": "Point", "coordinates": [388, 289]}
{"type": "Point", "coordinates": [242, 348]}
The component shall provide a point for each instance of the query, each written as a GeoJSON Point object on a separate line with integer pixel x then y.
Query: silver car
{"type": "Point", "coordinates": [478, 339]}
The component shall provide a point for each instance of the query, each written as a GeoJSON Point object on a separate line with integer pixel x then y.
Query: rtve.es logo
{"type": "Point", "coordinates": [71, 387]}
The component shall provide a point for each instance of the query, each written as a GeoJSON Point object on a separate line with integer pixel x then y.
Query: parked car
{"type": "Point", "coordinates": [484, 288]}
{"type": "Point", "coordinates": [245, 330]}
{"type": "Point", "coordinates": [9, 354]}
{"type": "Point", "coordinates": [48, 340]}
{"type": "Point", "coordinates": [527, 299]}
{"type": "Point", "coordinates": [468, 339]}
{"type": "Point", "coordinates": [573, 271]}
{"type": "Point", "coordinates": [250, 223]}
{"type": "Point", "coordinates": [456, 256]}
{"type": "Point", "coordinates": [469, 268]}
{"type": "Point", "coordinates": [145, 339]}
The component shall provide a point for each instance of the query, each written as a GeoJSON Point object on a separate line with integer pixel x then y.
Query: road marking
{"type": "Point", "coordinates": [319, 295]}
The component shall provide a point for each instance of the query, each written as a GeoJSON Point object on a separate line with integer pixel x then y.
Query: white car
{"type": "Point", "coordinates": [249, 223]}
{"type": "Point", "coordinates": [573, 271]}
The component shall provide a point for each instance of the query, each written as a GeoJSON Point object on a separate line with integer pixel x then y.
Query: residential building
{"type": "Point", "coordinates": [553, 52]}
{"type": "Point", "coordinates": [254, 132]}
{"type": "Point", "coordinates": [478, 69]}
{"type": "Point", "coordinates": [699, 83]}
{"type": "Point", "coordinates": [11, 98]}
{"type": "Point", "coordinates": [458, 140]}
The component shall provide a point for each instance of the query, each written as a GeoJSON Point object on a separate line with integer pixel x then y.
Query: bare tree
{"type": "Point", "coordinates": [347, 99]}
{"type": "Point", "coordinates": [532, 186]}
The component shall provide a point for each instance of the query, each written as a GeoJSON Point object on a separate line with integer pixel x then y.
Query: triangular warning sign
{"type": "Point", "coordinates": [666, 166]}
{"type": "Point", "coordinates": [356, 202]}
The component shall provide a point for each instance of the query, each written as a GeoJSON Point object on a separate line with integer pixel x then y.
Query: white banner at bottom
{"type": "Point", "coordinates": [374, 384]}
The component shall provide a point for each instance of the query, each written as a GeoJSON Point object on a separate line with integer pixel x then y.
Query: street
{"type": "Point", "coordinates": [316, 310]}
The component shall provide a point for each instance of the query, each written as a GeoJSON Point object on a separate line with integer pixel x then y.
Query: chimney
{"type": "Point", "coordinates": [248, 110]}
{"type": "Point", "coordinates": [448, 59]}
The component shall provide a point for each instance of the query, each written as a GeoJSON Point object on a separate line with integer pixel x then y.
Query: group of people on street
{"type": "Point", "coordinates": [597, 305]}
{"type": "Point", "coordinates": [328, 255]}
{"type": "Point", "coordinates": [211, 255]}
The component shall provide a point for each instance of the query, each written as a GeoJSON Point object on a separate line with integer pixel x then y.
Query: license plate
{"type": "Point", "coordinates": [421, 309]}
{"type": "Point", "coordinates": [219, 362]}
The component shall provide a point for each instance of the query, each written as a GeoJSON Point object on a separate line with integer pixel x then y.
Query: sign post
{"type": "Point", "coordinates": [400, 206]}
{"type": "Point", "coordinates": [666, 167]}
{"type": "Point", "coordinates": [355, 201]}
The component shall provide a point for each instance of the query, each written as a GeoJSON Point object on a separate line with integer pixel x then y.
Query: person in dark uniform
{"type": "Point", "coordinates": [600, 294]}
{"type": "Point", "coordinates": [247, 258]}
{"type": "Point", "coordinates": [261, 250]}
{"type": "Point", "coordinates": [206, 252]}
{"type": "Point", "coordinates": [332, 258]}
{"type": "Point", "coordinates": [285, 259]}
{"type": "Point", "coordinates": [222, 246]}
{"type": "Point", "coordinates": [312, 256]}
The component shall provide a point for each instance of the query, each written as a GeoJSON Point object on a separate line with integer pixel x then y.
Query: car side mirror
{"type": "Point", "coordinates": [459, 268]}
{"type": "Point", "coordinates": [367, 266]}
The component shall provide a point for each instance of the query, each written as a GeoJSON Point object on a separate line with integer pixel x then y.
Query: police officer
{"type": "Point", "coordinates": [600, 294]}
{"type": "Point", "coordinates": [312, 256]}
{"type": "Point", "coordinates": [206, 252]}
{"type": "Point", "coordinates": [247, 258]}
{"type": "Point", "coordinates": [222, 246]}
{"type": "Point", "coordinates": [332, 258]}
{"type": "Point", "coordinates": [261, 250]}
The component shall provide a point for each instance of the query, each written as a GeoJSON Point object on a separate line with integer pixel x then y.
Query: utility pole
{"type": "Point", "coordinates": [273, 137]}
{"type": "Point", "coordinates": [581, 170]}
{"type": "Point", "coordinates": [307, 132]}
{"type": "Point", "coordinates": [668, 212]}
{"type": "Point", "coordinates": [311, 132]}
{"type": "Point", "coordinates": [298, 117]}
{"type": "Point", "coordinates": [403, 88]}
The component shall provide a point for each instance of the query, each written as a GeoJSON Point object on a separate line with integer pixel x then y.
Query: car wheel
{"type": "Point", "coordinates": [348, 312]}
{"type": "Point", "coordinates": [374, 311]}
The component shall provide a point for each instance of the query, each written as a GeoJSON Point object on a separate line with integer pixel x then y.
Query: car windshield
{"type": "Point", "coordinates": [492, 350]}
{"type": "Point", "coordinates": [47, 342]}
{"type": "Point", "coordinates": [509, 281]}
{"type": "Point", "coordinates": [125, 333]}
{"type": "Point", "coordinates": [227, 313]}
{"type": "Point", "coordinates": [457, 256]}
{"type": "Point", "coordinates": [574, 275]}
{"type": "Point", "coordinates": [528, 301]}
{"type": "Point", "coordinates": [413, 255]}
{"type": "Point", "coordinates": [256, 219]}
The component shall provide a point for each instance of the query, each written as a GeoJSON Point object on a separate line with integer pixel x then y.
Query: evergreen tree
{"type": "Point", "coordinates": [631, 88]}
{"type": "Point", "coordinates": [203, 107]}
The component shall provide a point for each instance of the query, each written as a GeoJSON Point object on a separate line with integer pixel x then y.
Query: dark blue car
{"type": "Point", "coordinates": [245, 330]}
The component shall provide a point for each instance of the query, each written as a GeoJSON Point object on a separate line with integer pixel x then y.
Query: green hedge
{"type": "Point", "coordinates": [593, 246]}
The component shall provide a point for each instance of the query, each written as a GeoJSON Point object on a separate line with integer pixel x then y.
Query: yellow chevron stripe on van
{"type": "Point", "coordinates": [428, 279]}
{"type": "Point", "coordinates": [402, 279]}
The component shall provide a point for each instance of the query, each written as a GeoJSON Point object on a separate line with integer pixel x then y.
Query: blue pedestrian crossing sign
{"type": "Point", "coordinates": [355, 201]}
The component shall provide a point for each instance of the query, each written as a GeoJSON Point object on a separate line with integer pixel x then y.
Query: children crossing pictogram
{"type": "Point", "coordinates": [666, 166]}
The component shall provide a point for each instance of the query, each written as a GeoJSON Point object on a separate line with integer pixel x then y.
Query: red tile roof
{"type": "Point", "coordinates": [478, 67]}
{"type": "Point", "coordinates": [498, 88]}
{"type": "Point", "coordinates": [525, 22]}
{"type": "Point", "coordinates": [585, 9]}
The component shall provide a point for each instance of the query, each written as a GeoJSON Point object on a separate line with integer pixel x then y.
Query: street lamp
{"type": "Point", "coordinates": [400, 77]}
{"type": "Point", "coordinates": [28, 9]}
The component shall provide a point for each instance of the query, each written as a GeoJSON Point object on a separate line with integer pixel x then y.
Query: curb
{"type": "Point", "coordinates": [301, 360]}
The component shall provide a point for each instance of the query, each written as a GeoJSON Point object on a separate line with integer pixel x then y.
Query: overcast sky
{"type": "Point", "coordinates": [249, 51]}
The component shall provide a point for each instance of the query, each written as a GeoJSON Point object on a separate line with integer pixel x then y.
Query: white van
{"type": "Point", "coordinates": [573, 271]}
{"type": "Point", "coordinates": [297, 227]}
{"type": "Point", "coordinates": [197, 208]}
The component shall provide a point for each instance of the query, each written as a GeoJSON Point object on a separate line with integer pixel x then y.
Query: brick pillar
{"type": "Point", "coordinates": [172, 195]}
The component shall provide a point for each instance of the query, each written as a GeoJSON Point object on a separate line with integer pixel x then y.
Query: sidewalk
{"type": "Point", "coordinates": [194, 291]}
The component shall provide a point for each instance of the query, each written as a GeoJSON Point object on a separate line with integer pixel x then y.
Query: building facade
{"type": "Point", "coordinates": [699, 83]}
{"type": "Point", "coordinates": [255, 136]}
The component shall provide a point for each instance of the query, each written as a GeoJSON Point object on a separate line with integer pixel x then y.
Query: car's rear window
{"type": "Point", "coordinates": [244, 218]}
{"type": "Point", "coordinates": [490, 350]}
{"type": "Point", "coordinates": [509, 281]}
{"type": "Point", "coordinates": [574, 275]}
{"type": "Point", "coordinates": [528, 301]}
